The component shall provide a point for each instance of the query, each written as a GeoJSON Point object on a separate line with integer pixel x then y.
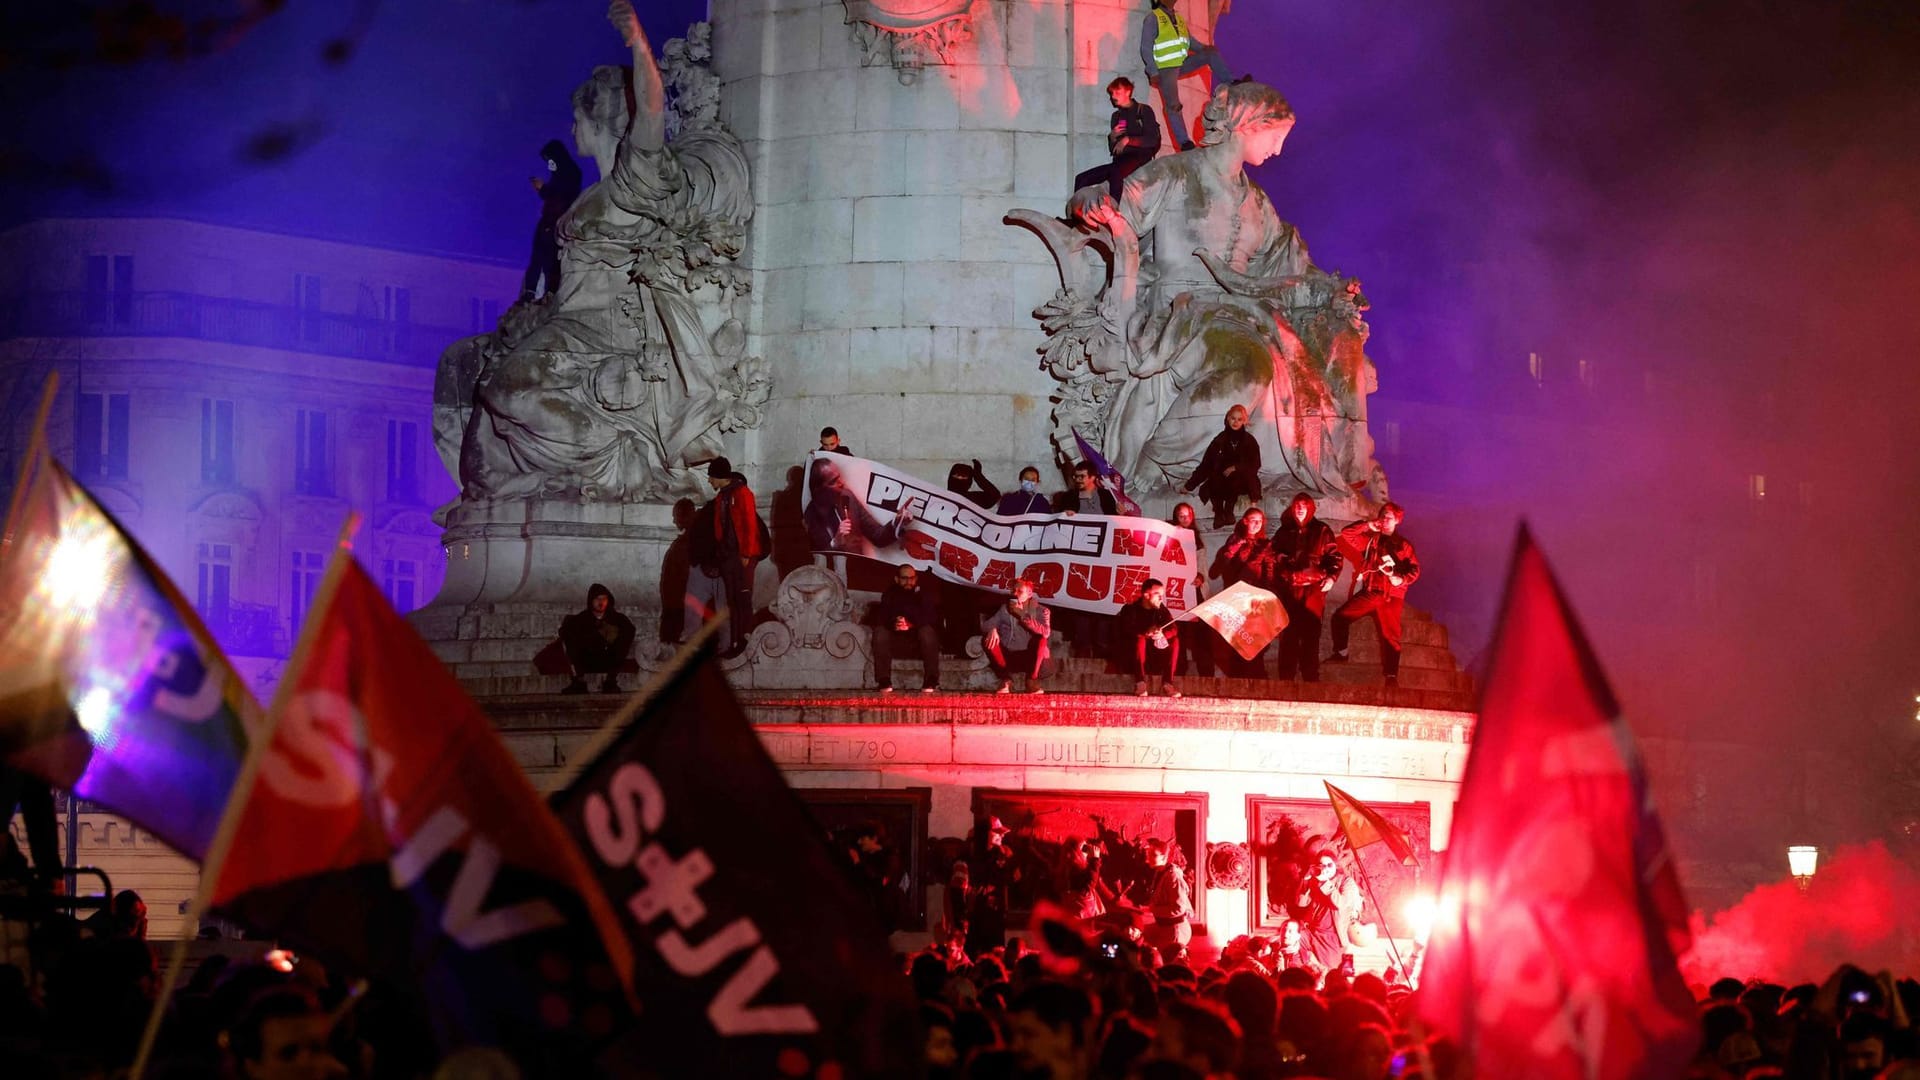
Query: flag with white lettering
{"type": "Point", "coordinates": [754, 953]}
{"type": "Point", "coordinates": [1247, 617]}
{"type": "Point", "coordinates": [1560, 913]}
{"type": "Point", "coordinates": [390, 831]}
{"type": "Point", "coordinates": [1088, 562]}
{"type": "Point", "coordinates": [109, 685]}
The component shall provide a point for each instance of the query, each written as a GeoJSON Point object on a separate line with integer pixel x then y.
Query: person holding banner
{"type": "Point", "coordinates": [1147, 627]}
{"type": "Point", "coordinates": [907, 608]}
{"type": "Point", "coordinates": [1384, 566]}
{"type": "Point", "coordinates": [1248, 557]}
{"type": "Point", "coordinates": [1016, 639]}
{"type": "Point", "coordinates": [1305, 564]}
{"type": "Point", "coordinates": [1027, 500]}
{"type": "Point", "coordinates": [1087, 495]}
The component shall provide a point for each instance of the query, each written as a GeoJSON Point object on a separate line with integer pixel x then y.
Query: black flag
{"type": "Point", "coordinates": [754, 955]}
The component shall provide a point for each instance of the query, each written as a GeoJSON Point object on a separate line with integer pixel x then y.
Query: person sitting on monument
{"type": "Point", "coordinates": [1087, 495]}
{"type": "Point", "coordinates": [1305, 564]}
{"type": "Point", "coordinates": [1229, 469]}
{"type": "Point", "coordinates": [963, 478]}
{"type": "Point", "coordinates": [1028, 499]}
{"type": "Point", "coordinates": [830, 442]}
{"type": "Point", "coordinates": [1016, 638]}
{"type": "Point", "coordinates": [908, 609]}
{"type": "Point", "coordinates": [1384, 566]}
{"type": "Point", "coordinates": [1152, 642]}
{"type": "Point", "coordinates": [598, 641]}
{"type": "Point", "coordinates": [838, 520]}
{"type": "Point", "coordinates": [557, 192]}
{"type": "Point", "coordinates": [1169, 53]}
{"type": "Point", "coordinates": [1133, 138]}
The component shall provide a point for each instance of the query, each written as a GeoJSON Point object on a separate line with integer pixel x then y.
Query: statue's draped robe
{"type": "Point", "coordinates": [1196, 348]}
{"type": "Point", "coordinates": [615, 388]}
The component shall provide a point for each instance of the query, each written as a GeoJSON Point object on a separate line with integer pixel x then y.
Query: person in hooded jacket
{"type": "Point", "coordinates": [598, 641]}
{"type": "Point", "coordinates": [1229, 469]}
{"type": "Point", "coordinates": [1248, 557]}
{"type": "Point", "coordinates": [1305, 563]}
{"type": "Point", "coordinates": [964, 478]}
{"type": "Point", "coordinates": [557, 191]}
{"type": "Point", "coordinates": [1384, 566]}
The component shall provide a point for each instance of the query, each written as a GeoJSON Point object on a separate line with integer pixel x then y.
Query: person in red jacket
{"type": "Point", "coordinates": [1305, 562]}
{"type": "Point", "coordinates": [736, 536]}
{"type": "Point", "coordinates": [1384, 566]}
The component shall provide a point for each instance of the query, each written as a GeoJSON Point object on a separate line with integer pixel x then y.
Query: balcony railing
{"type": "Point", "coordinates": [218, 318]}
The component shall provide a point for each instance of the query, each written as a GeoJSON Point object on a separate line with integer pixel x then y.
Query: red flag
{"type": "Point", "coordinates": [1247, 616]}
{"type": "Point", "coordinates": [390, 830]}
{"type": "Point", "coordinates": [1560, 913]}
{"type": "Point", "coordinates": [1364, 825]}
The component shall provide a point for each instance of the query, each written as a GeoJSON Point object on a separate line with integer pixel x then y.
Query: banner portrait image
{"type": "Point", "coordinates": [1086, 562]}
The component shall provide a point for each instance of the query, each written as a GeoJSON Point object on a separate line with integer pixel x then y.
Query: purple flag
{"type": "Point", "coordinates": [1108, 475]}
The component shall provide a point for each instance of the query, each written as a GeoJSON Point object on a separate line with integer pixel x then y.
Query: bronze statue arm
{"type": "Point", "coordinates": [649, 128]}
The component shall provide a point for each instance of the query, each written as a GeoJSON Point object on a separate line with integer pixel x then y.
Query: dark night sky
{"type": "Point", "coordinates": [1721, 194]}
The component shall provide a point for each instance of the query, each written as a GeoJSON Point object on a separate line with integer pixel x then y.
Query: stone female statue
{"type": "Point", "coordinates": [1227, 308]}
{"type": "Point", "coordinates": [613, 387]}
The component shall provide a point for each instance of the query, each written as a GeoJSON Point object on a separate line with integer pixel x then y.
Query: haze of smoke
{"type": "Point", "coordinates": [1856, 911]}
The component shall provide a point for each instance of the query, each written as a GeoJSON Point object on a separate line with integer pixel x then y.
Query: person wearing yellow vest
{"type": "Point", "coordinates": [1169, 52]}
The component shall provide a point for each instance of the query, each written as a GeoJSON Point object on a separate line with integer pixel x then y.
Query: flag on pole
{"type": "Point", "coordinates": [754, 953]}
{"type": "Point", "coordinates": [1247, 616]}
{"type": "Point", "coordinates": [1108, 475]}
{"type": "Point", "coordinates": [1560, 913]}
{"type": "Point", "coordinates": [391, 831]}
{"type": "Point", "coordinates": [109, 684]}
{"type": "Point", "coordinates": [1364, 825]}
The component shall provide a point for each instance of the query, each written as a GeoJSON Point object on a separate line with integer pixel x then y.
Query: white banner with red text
{"type": "Point", "coordinates": [1086, 562]}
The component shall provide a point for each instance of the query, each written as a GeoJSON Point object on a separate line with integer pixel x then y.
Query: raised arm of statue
{"type": "Point", "coordinates": [649, 128]}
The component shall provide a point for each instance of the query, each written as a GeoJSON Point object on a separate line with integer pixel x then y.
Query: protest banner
{"type": "Point", "coordinates": [1086, 562]}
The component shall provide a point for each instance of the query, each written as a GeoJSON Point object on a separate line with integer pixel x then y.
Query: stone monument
{"type": "Point", "coordinates": [574, 425]}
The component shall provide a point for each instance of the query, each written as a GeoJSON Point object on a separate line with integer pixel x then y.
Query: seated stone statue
{"type": "Point", "coordinates": [616, 385]}
{"type": "Point", "coordinates": [1226, 309]}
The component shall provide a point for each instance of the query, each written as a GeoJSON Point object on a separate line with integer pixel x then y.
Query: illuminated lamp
{"type": "Point", "coordinates": [1803, 859]}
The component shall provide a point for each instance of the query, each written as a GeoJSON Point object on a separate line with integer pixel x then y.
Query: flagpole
{"type": "Point", "coordinates": [1366, 879]}
{"type": "Point", "coordinates": [257, 744]}
{"type": "Point", "coordinates": [36, 442]}
{"type": "Point", "coordinates": [618, 722]}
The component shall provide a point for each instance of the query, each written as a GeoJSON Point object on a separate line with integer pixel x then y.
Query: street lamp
{"type": "Point", "coordinates": [1802, 860]}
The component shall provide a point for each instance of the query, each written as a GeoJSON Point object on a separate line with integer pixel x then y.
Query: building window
{"type": "Point", "coordinates": [1757, 487]}
{"type": "Point", "coordinates": [110, 289]}
{"type": "Point", "coordinates": [101, 435]}
{"type": "Point", "coordinates": [1586, 374]}
{"type": "Point", "coordinates": [214, 598]}
{"type": "Point", "coordinates": [396, 307]}
{"type": "Point", "coordinates": [403, 443]}
{"type": "Point", "coordinates": [312, 460]}
{"type": "Point", "coordinates": [216, 441]}
{"type": "Point", "coordinates": [486, 315]}
{"type": "Point", "coordinates": [304, 581]}
{"type": "Point", "coordinates": [401, 577]}
{"type": "Point", "coordinates": [1390, 436]}
{"type": "Point", "coordinates": [1806, 492]}
{"type": "Point", "coordinates": [1536, 368]}
{"type": "Point", "coordinates": [306, 300]}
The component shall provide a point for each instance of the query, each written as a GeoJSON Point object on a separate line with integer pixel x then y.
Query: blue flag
{"type": "Point", "coordinates": [1107, 475]}
{"type": "Point", "coordinates": [109, 685]}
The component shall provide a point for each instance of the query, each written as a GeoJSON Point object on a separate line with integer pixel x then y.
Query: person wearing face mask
{"type": "Point", "coordinates": [963, 478]}
{"type": "Point", "coordinates": [1026, 500]}
{"type": "Point", "coordinates": [557, 191]}
{"type": "Point", "coordinates": [1229, 469]}
{"type": "Point", "coordinates": [1305, 563]}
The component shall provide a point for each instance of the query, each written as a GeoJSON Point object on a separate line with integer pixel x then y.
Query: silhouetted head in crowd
{"type": "Point", "coordinates": [1197, 1034]}
{"type": "Point", "coordinates": [1049, 1025]}
{"type": "Point", "coordinates": [282, 1035]}
{"type": "Point", "coordinates": [1727, 989]}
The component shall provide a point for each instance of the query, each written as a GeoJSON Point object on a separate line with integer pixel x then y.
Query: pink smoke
{"type": "Point", "coordinates": [1856, 910]}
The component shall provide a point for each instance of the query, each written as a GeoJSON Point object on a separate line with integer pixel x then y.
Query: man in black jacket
{"type": "Point", "coordinates": [907, 608]}
{"type": "Point", "coordinates": [1229, 469]}
{"type": "Point", "coordinates": [1153, 646]}
{"type": "Point", "coordinates": [1133, 138]}
{"type": "Point", "coordinates": [597, 640]}
{"type": "Point", "coordinates": [1305, 562]}
{"type": "Point", "coordinates": [1087, 496]}
{"type": "Point", "coordinates": [557, 192]}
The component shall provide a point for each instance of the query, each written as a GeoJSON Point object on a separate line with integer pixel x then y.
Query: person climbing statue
{"type": "Point", "coordinates": [557, 191]}
{"type": "Point", "coordinates": [1169, 52]}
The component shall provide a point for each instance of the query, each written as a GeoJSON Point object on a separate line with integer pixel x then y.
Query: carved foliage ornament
{"type": "Point", "coordinates": [909, 34]}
